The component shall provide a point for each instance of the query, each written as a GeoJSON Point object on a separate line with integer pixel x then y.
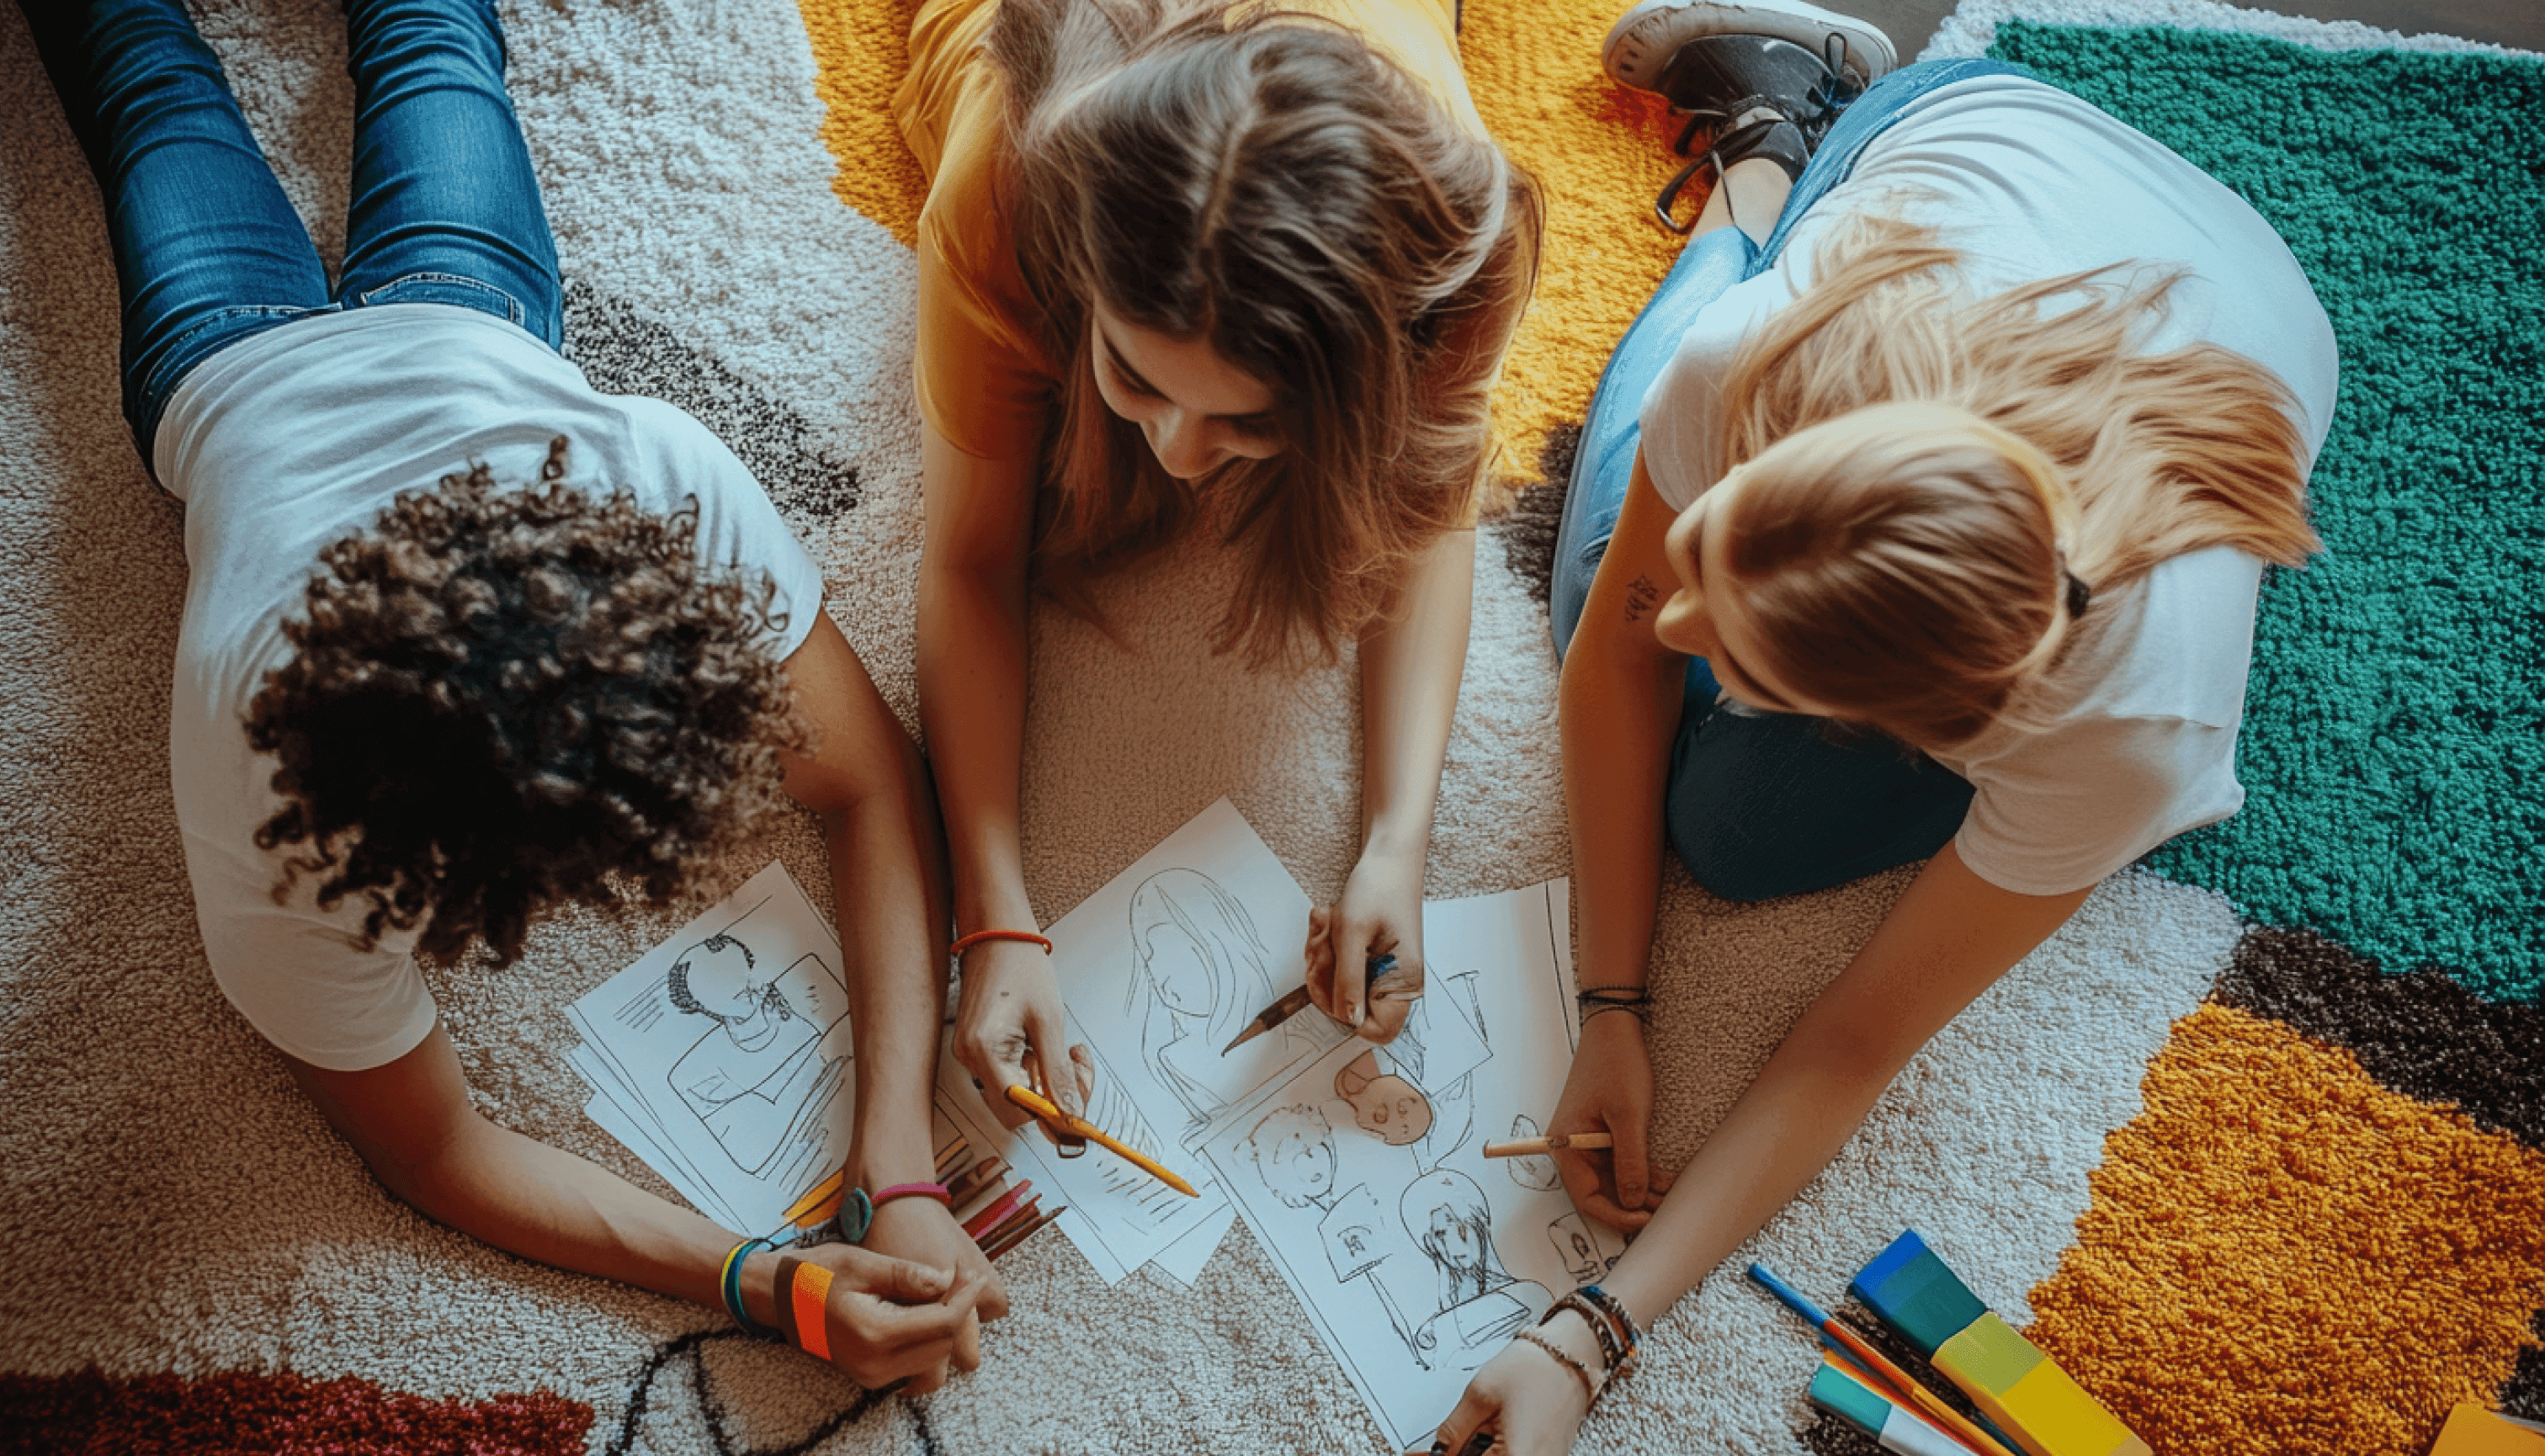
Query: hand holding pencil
{"type": "Point", "coordinates": [1609, 1091]}
{"type": "Point", "coordinates": [1377, 924]}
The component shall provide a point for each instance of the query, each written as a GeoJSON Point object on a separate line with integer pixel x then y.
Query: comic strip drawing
{"type": "Point", "coordinates": [1535, 1172]}
{"type": "Point", "coordinates": [1198, 977]}
{"type": "Point", "coordinates": [1481, 1305]}
{"type": "Point", "coordinates": [1418, 1091]}
{"type": "Point", "coordinates": [757, 1078]}
{"type": "Point", "coordinates": [1385, 1105]}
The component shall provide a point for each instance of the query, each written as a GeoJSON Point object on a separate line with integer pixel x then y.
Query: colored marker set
{"type": "Point", "coordinates": [2027, 1403]}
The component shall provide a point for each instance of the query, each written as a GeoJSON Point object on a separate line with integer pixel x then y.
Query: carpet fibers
{"type": "Point", "coordinates": [2258, 1191]}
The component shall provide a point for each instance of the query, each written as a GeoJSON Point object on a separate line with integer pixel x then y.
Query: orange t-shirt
{"type": "Point", "coordinates": [982, 377]}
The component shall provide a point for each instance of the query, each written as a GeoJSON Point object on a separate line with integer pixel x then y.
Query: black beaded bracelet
{"type": "Point", "coordinates": [1635, 1000]}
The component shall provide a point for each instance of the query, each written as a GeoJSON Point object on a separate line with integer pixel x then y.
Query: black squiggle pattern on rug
{"type": "Point", "coordinates": [625, 351]}
{"type": "Point", "coordinates": [1528, 528]}
{"type": "Point", "coordinates": [688, 1347]}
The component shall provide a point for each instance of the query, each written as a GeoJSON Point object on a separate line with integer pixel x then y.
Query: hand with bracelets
{"type": "Point", "coordinates": [1609, 1090]}
{"type": "Point", "coordinates": [1530, 1399]}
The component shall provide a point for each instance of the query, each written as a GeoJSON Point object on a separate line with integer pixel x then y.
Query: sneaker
{"type": "Point", "coordinates": [1641, 44]}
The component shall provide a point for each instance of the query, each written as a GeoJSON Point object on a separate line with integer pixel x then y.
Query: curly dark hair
{"type": "Point", "coordinates": [500, 698]}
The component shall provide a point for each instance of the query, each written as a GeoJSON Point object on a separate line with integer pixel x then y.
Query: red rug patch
{"type": "Point", "coordinates": [238, 1413]}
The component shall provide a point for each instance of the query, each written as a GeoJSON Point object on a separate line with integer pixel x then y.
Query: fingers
{"type": "Point", "coordinates": [1627, 1158]}
{"type": "Point", "coordinates": [900, 1281]}
{"type": "Point", "coordinates": [1085, 1061]}
{"type": "Point", "coordinates": [1321, 960]}
{"type": "Point", "coordinates": [1392, 993]}
{"type": "Point", "coordinates": [1475, 1411]}
{"type": "Point", "coordinates": [1581, 1174]}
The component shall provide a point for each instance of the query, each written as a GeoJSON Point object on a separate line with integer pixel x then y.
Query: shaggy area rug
{"type": "Point", "coordinates": [2255, 1145]}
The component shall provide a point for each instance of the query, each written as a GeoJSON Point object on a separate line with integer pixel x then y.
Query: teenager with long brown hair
{"type": "Point", "coordinates": [1926, 524]}
{"type": "Point", "coordinates": [1186, 264]}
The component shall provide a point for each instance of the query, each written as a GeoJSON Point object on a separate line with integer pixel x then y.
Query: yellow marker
{"type": "Point", "coordinates": [1079, 1127]}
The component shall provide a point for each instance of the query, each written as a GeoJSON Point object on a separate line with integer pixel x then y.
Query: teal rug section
{"type": "Point", "coordinates": [2394, 741]}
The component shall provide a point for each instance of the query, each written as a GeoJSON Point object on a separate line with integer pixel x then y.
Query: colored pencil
{"type": "Point", "coordinates": [1021, 1233]}
{"type": "Point", "coordinates": [975, 1180]}
{"type": "Point", "coordinates": [1079, 1127]}
{"type": "Point", "coordinates": [951, 1157]}
{"type": "Point", "coordinates": [1557, 1142]}
{"type": "Point", "coordinates": [1920, 1398]}
{"type": "Point", "coordinates": [1019, 1214]}
{"type": "Point", "coordinates": [982, 1222]}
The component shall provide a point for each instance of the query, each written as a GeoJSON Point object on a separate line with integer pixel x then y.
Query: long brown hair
{"type": "Point", "coordinates": [1266, 182]}
{"type": "Point", "coordinates": [1934, 486]}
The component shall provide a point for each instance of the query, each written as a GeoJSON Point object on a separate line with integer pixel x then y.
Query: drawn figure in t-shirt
{"type": "Point", "coordinates": [1199, 977]}
{"type": "Point", "coordinates": [1481, 1304]}
{"type": "Point", "coordinates": [759, 1080]}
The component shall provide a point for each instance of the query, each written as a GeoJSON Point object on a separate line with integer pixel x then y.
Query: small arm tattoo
{"type": "Point", "coordinates": [1640, 597]}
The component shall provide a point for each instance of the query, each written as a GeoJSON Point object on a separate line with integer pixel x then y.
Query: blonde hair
{"type": "Point", "coordinates": [1263, 182]}
{"type": "Point", "coordinates": [1935, 486]}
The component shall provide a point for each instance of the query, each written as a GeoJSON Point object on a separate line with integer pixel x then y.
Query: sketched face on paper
{"type": "Point", "coordinates": [1179, 971]}
{"type": "Point", "coordinates": [715, 978]}
{"type": "Point", "coordinates": [1384, 1105]}
{"type": "Point", "coordinates": [1295, 1155]}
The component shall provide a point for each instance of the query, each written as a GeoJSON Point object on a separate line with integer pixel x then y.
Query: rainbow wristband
{"type": "Point", "coordinates": [730, 1278]}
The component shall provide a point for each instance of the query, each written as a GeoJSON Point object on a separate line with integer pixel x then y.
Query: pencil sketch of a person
{"type": "Point", "coordinates": [1198, 978]}
{"type": "Point", "coordinates": [1418, 1093]}
{"type": "Point", "coordinates": [1294, 1152]}
{"type": "Point", "coordinates": [759, 1075]}
{"type": "Point", "coordinates": [1480, 1303]}
{"type": "Point", "coordinates": [1584, 1263]}
{"type": "Point", "coordinates": [1385, 1105]}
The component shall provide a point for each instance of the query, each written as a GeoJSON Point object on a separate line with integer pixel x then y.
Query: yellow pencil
{"type": "Point", "coordinates": [1079, 1127]}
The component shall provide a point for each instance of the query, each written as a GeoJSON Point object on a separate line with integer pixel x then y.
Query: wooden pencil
{"type": "Point", "coordinates": [949, 1158]}
{"type": "Point", "coordinates": [1555, 1142]}
{"type": "Point", "coordinates": [988, 1218]}
{"type": "Point", "coordinates": [1022, 1231]}
{"type": "Point", "coordinates": [1079, 1127]}
{"type": "Point", "coordinates": [973, 1181]}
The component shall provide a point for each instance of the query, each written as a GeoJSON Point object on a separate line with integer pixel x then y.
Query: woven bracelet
{"type": "Point", "coordinates": [730, 1278]}
{"type": "Point", "coordinates": [1635, 1000]}
{"type": "Point", "coordinates": [1590, 1388]}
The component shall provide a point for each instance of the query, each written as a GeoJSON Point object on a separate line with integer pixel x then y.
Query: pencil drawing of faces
{"type": "Point", "coordinates": [1582, 1264]}
{"type": "Point", "coordinates": [1535, 1172]}
{"type": "Point", "coordinates": [715, 978]}
{"type": "Point", "coordinates": [1385, 1105]}
{"type": "Point", "coordinates": [1295, 1155]}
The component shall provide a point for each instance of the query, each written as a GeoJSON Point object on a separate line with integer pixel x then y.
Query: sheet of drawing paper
{"type": "Point", "coordinates": [1362, 1173]}
{"type": "Point", "coordinates": [727, 1050]}
{"type": "Point", "coordinates": [1184, 1259]}
{"type": "Point", "coordinates": [1161, 969]}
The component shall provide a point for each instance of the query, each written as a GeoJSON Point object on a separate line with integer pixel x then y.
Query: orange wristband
{"type": "Point", "coordinates": [977, 937]}
{"type": "Point", "coordinates": [803, 1293]}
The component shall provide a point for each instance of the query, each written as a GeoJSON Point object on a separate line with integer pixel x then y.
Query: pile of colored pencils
{"type": "Point", "coordinates": [995, 1216]}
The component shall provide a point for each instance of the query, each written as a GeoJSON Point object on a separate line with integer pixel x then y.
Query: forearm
{"type": "Point", "coordinates": [887, 873]}
{"type": "Point", "coordinates": [551, 1208]}
{"type": "Point", "coordinates": [1619, 712]}
{"type": "Point", "coordinates": [972, 706]}
{"type": "Point", "coordinates": [1411, 668]}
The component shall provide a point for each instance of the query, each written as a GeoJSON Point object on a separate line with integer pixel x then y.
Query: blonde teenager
{"type": "Point", "coordinates": [1185, 267]}
{"type": "Point", "coordinates": [1921, 516]}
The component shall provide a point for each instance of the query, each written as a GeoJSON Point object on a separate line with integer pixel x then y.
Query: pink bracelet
{"type": "Point", "coordinates": [937, 1191]}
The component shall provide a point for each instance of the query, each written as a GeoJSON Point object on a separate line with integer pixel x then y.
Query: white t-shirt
{"type": "Point", "coordinates": [2029, 183]}
{"type": "Point", "coordinates": [297, 439]}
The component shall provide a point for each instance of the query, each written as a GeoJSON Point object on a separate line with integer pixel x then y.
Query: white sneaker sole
{"type": "Point", "coordinates": [1647, 36]}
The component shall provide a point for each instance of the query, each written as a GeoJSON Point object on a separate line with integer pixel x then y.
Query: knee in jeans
{"type": "Point", "coordinates": [1729, 869]}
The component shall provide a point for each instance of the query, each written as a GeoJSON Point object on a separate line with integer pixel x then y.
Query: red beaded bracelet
{"type": "Point", "coordinates": [937, 1191]}
{"type": "Point", "coordinates": [977, 937]}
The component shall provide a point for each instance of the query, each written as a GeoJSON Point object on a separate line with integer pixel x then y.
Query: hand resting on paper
{"type": "Point", "coordinates": [890, 1319]}
{"type": "Point", "coordinates": [1532, 1404]}
{"type": "Point", "coordinates": [1609, 1090]}
{"type": "Point", "coordinates": [1381, 914]}
{"type": "Point", "coordinates": [1006, 1027]}
{"type": "Point", "coordinates": [923, 1232]}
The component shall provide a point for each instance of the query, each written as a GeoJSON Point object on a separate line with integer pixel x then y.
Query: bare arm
{"type": "Point", "coordinates": [1008, 1028]}
{"type": "Point", "coordinates": [1946, 940]}
{"type": "Point", "coordinates": [1619, 710]}
{"type": "Point", "coordinates": [1411, 665]}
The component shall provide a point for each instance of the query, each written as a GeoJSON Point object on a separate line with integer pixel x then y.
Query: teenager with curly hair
{"type": "Point", "coordinates": [1928, 524]}
{"type": "Point", "coordinates": [1186, 262]}
{"type": "Point", "coordinates": [466, 640]}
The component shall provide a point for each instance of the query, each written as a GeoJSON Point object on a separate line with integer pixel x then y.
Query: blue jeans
{"type": "Point", "coordinates": [207, 250]}
{"type": "Point", "coordinates": [1757, 804]}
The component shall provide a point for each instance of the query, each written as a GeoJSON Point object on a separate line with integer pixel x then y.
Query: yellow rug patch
{"type": "Point", "coordinates": [1600, 152]}
{"type": "Point", "coordinates": [2284, 1258]}
{"type": "Point", "coordinates": [1597, 150]}
{"type": "Point", "coordinates": [861, 51]}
